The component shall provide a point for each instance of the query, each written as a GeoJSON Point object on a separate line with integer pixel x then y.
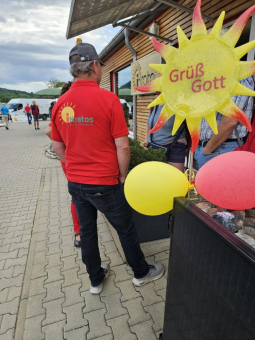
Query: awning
{"type": "Point", "coordinates": [87, 15]}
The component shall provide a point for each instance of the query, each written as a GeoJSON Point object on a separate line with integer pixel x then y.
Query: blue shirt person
{"type": "Point", "coordinates": [211, 145]}
{"type": "Point", "coordinates": [5, 115]}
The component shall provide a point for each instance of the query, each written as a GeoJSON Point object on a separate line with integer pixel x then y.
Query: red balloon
{"type": "Point", "coordinates": [228, 180]}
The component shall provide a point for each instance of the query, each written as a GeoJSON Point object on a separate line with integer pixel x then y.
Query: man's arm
{"type": "Point", "coordinates": [225, 129]}
{"type": "Point", "coordinates": [123, 155]}
{"type": "Point", "coordinates": [145, 143]}
{"type": "Point", "coordinates": [59, 148]}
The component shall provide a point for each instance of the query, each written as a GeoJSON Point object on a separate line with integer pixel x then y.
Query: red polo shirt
{"type": "Point", "coordinates": [87, 119]}
{"type": "Point", "coordinates": [27, 109]}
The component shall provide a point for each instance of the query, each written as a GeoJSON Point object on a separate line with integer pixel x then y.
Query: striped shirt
{"type": "Point", "coordinates": [244, 103]}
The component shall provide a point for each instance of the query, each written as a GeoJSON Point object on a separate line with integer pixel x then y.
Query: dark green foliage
{"type": "Point", "coordinates": [140, 155]}
{"type": "Point", "coordinates": [6, 95]}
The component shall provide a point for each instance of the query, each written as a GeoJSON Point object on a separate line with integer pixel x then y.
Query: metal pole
{"type": "Point", "coordinates": [191, 155]}
{"type": "Point", "coordinates": [144, 32]}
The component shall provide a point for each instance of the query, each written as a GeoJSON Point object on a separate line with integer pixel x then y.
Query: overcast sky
{"type": "Point", "coordinates": [33, 47]}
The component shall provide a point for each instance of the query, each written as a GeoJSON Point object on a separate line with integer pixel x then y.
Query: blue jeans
{"type": "Point", "coordinates": [29, 118]}
{"type": "Point", "coordinates": [201, 159]}
{"type": "Point", "coordinates": [110, 200]}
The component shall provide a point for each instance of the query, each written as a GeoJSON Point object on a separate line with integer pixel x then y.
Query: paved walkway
{"type": "Point", "coordinates": [44, 287]}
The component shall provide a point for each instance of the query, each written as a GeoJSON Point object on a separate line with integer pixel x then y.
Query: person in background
{"type": "Point", "coordinates": [27, 111]}
{"type": "Point", "coordinates": [35, 113]}
{"type": "Point", "coordinates": [175, 145]}
{"type": "Point", "coordinates": [91, 137]}
{"type": "Point", "coordinates": [51, 107]}
{"type": "Point", "coordinates": [126, 113]}
{"type": "Point", "coordinates": [76, 222]}
{"type": "Point", "coordinates": [226, 140]}
{"type": "Point", "coordinates": [5, 115]}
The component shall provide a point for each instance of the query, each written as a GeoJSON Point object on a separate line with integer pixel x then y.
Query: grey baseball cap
{"type": "Point", "coordinates": [86, 52]}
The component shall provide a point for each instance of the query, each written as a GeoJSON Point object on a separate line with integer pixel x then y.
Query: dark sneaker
{"type": "Point", "coordinates": [98, 289]}
{"type": "Point", "coordinates": [7, 128]}
{"type": "Point", "coordinates": [155, 273]}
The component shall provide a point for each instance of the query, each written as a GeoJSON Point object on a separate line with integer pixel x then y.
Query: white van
{"type": "Point", "coordinates": [17, 108]}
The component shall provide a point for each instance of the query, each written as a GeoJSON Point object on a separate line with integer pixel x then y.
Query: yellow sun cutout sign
{"type": "Point", "coordinates": [200, 77]}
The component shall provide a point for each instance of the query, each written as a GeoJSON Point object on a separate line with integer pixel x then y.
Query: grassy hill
{"type": "Point", "coordinates": [6, 95]}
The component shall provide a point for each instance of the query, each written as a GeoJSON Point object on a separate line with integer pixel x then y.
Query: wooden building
{"type": "Point", "coordinates": [167, 14]}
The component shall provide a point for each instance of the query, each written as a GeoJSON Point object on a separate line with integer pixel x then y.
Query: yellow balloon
{"type": "Point", "coordinates": [150, 187]}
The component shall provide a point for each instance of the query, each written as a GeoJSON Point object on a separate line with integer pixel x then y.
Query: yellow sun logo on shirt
{"type": "Point", "coordinates": [200, 77]}
{"type": "Point", "coordinates": [67, 113]}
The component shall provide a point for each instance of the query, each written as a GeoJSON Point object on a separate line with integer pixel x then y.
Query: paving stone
{"type": "Point", "coordinates": [109, 286]}
{"type": "Point", "coordinates": [85, 282]}
{"type": "Point", "coordinates": [14, 292]}
{"type": "Point", "coordinates": [9, 335]}
{"type": "Point", "coordinates": [53, 312]}
{"type": "Point", "coordinates": [4, 296]}
{"type": "Point", "coordinates": [75, 317]}
{"type": "Point", "coordinates": [54, 248]}
{"type": "Point", "coordinates": [105, 237]}
{"type": "Point", "coordinates": [26, 238]}
{"type": "Point", "coordinates": [11, 306]}
{"type": "Point", "coordinates": [121, 273]}
{"type": "Point", "coordinates": [110, 247]}
{"type": "Point", "coordinates": [53, 261]}
{"type": "Point", "coordinates": [97, 325]}
{"type": "Point", "coordinates": [33, 328]}
{"type": "Point", "coordinates": [19, 270]}
{"type": "Point", "coordinates": [54, 291]}
{"type": "Point", "coordinates": [157, 313]}
{"type": "Point", "coordinates": [6, 248]}
{"type": "Point", "coordinates": [102, 227]}
{"type": "Point", "coordinates": [144, 331]}
{"type": "Point", "coordinates": [92, 302]}
{"type": "Point", "coordinates": [70, 263]}
{"type": "Point", "coordinates": [71, 277]}
{"type": "Point", "coordinates": [42, 227]}
{"type": "Point", "coordinates": [120, 328]}
{"type": "Point", "coordinates": [66, 240]}
{"type": "Point", "coordinates": [37, 286]}
{"type": "Point", "coordinates": [40, 257]}
{"type": "Point", "coordinates": [54, 274]}
{"type": "Point", "coordinates": [15, 281]}
{"type": "Point", "coordinates": [67, 231]}
{"type": "Point", "coordinates": [7, 273]}
{"type": "Point", "coordinates": [161, 256]}
{"type": "Point", "coordinates": [136, 311]}
{"type": "Point", "coordinates": [38, 271]}
{"type": "Point", "coordinates": [2, 263]}
{"type": "Point", "coordinates": [54, 331]}
{"type": "Point", "coordinates": [113, 306]}
{"type": "Point", "coordinates": [19, 245]}
{"type": "Point", "coordinates": [53, 238]}
{"type": "Point", "coordinates": [127, 290]}
{"type": "Point", "coordinates": [21, 261]}
{"type": "Point", "coordinates": [41, 246]}
{"type": "Point", "coordinates": [162, 293]}
{"type": "Point", "coordinates": [77, 334]}
{"type": "Point", "coordinates": [23, 252]}
{"type": "Point", "coordinates": [10, 255]}
{"type": "Point", "coordinates": [160, 283]}
{"type": "Point", "coordinates": [34, 306]}
{"type": "Point", "coordinates": [67, 251]}
{"type": "Point", "coordinates": [149, 294]}
{"type": "Point", "coordinates": [8, 237]}
{"type": "Point", "coordinates": [72, 295]}
{"type": "Point", "coordinates": [115, 259]}
{"type": "Point", "coordinates": [82, 267]}
{"type": "Point", "coordinates": [65, 223]}
{"type": "Point", "coordinates": [105, 337]}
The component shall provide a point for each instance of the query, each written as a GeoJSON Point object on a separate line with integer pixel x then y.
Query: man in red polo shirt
{"type": "Point", "coordinates": [90, 136]}
{"type": "Point", "coordinates": [28, 113]}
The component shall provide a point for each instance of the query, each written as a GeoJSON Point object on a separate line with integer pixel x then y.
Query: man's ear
{"type": "Point", "coordinates": [95, 66]}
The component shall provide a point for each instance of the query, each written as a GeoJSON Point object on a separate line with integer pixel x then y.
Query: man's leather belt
{"type": "Point", "coordinates": [203, 143]}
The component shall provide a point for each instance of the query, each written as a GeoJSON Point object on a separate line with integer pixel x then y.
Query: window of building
{"type": "Point", "coordinates": [122, 88]}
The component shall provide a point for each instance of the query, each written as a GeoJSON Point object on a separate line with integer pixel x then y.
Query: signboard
{"type": "Point", "coordinates": [142, 73]}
